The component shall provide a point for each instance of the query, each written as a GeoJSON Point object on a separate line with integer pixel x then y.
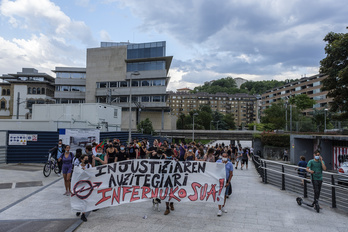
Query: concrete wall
{"type": "Point", "coordinates": [104, 64]}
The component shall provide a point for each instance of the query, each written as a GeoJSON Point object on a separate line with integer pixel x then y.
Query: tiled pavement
{"type": "Point", "coordinates": [253, 206]}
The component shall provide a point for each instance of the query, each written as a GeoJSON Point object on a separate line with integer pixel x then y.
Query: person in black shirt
{"type": "Point", "coordinates": [122, 154]}
{"type": "Point", "coordinates": [143, 151]}
{"type": "Point", "coordinates": [133, 150]}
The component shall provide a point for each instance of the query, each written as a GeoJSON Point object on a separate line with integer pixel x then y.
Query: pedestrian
{"type": "Point", "coordinates": [143, 151]}
{"type": "Point", "coordinates": [199, 155]}
{"type": "Point", "coordinates": [76, 159]}
{"type": "Point", "coordinates": [286, 155]}
{"type": "Point", "coordinates": [111, 151]}
{"type": "Point", "coordinates": [100, 158]}
{"type": "Point", "coordinates": [302, 168]}
{"type": "Point", "coordinates": [133, 150]}
{"type": "Point", "coordinates": [190, 155]}
{"type": "Point", "coordinates": [229, 174]}
{"type": "Point", "coordinates": [57, 153]}
{"type": "Point", "coordinates": [209, 156]}
{"type": "Point", "coordinates": [182, 151]}
{"type": "Point", "coordinates": [67, 166]}
{"type": "Point", "coordinates": [316, 167]}
{"type": "Point", "coordinates": [245, 158]}
{"type": "Point", "coordinates": [169, 155]}
{"type": "Point", "coordinates": [239, 156]}
{"type": "Point", "coordinates": [122, 154]}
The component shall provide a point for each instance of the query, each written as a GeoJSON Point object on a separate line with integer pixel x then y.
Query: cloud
{"type": "Point", "coordinates": [104, 35]}
{"type": "Point", "coordinates": [45, 17]}
{"type": "Point", "coordinates": [265, 38]}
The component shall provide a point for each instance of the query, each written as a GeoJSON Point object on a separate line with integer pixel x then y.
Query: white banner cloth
{"type": "Point", "coordinates": [140, 180]}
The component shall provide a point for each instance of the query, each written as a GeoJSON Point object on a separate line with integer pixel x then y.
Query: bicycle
{"type": "Point", "coordinates": [50, 165]}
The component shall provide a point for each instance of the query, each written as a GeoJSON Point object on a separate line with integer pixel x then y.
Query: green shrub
{"type": "Point", "coordinates": [275, 140]}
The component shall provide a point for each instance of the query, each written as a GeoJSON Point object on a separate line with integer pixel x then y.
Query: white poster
{"type": "Point", "coordinates": [17, 139]}
{"type": "Point", "coordinates": [79, 138]}
{"type": "Point", "coordinates": [140, 180]}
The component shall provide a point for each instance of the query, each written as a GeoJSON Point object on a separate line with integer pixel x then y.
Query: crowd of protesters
{"type": "Point", "coordinates": [115, 151]}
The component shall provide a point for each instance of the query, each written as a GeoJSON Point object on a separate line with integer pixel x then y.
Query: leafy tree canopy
{"type": "Point", "coordinates": [335, 65]}
{"type": "Point", "coordinates": [302, 101]}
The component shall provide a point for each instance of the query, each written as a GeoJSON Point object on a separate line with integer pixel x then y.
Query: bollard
{"type": "Point", "coordinates": [333, 192]}
{"type": "Point", "coordinates": [283, 178]}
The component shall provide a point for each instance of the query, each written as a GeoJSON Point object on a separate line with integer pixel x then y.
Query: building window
{"type": "Point", "coordinates": [3, 105]}
{"type": "Point", "coordinates": [29, 90]}
{"type": "Point", "coordinates": [123, 84]}
{"type": "Point", "coordinates": [38, 91]}
{"type": "Point", "coordinates": [145, 83]}
{"type": "Point", "coordinates": [145, 99]}
{"type": "Point", "coordinates": [43, 90]}
{"type": "Point", "coordinates": [34, 91]}
{"type": "Point", "coordinates": [115, 113]}
{"type": "Point", "coordinates": [4, 92]}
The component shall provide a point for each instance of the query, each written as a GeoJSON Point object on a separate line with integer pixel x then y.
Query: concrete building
{"type": "Point", "coordinates": [117, 70]}
{"type": "Point", "coordinates": [242, 106]}
{"type": "Point", "coordinates": [307, 85]}
{"type": "Point", "coordinates": [21, 90]}
{"type": "Point", "coordinates": [87, 115]}
{"type": "Point", "coordinates": [70, 85]}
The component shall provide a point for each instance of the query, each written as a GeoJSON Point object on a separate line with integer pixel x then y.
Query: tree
{"type": "Point", "coordinates": [302, 101]}
{"type": "Point", "coordinates": [274, 116]}
{"type": "Point", "coordinates": [145, 126]}
{"type": "Point", "coordinates": [229, 120]}
{"type": "Point", "coordinates": [335, 65]}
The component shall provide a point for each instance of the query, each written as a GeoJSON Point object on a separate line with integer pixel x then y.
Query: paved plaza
{"type": "Point", "coordinates": [31, 202]}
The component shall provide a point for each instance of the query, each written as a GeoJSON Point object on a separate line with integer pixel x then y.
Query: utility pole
{"type": "Point", "coordinates": [19, 94]}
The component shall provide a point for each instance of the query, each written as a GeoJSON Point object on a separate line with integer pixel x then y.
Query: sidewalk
{"type": "Point", "coordinates": [253, 206]}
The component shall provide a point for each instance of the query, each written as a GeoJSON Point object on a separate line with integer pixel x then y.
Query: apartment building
{"type": "Point", "coordinates": [307, 85]}
{"type": "Point", "coordinates": [19, 91]}
{"type": "Point", "coordinates": [242, 106]}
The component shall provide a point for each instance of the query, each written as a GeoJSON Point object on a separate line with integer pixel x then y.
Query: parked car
{"type": "Point", "coordinates": [343, 178]}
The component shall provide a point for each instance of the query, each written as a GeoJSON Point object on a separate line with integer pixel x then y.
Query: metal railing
{"type": "Point", "coordinates": [334, 192]}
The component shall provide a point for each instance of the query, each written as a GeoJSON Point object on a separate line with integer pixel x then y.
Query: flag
{"type": "Point", "coordinates": [100, 144]}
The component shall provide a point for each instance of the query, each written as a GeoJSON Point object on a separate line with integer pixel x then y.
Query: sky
{"type": "Point", "coordinates": [208, 39]}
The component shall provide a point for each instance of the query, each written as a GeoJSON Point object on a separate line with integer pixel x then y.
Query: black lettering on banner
{"type": "Point", "coordinates": [152, 163]}
{"type": "Point", "coordinates": [187, 164]}
{"type": "Point", "coordinates": [112, 181]}
{"type": "Point", "coordinates": [178, 168]}
{"type": "Point", "coordinates": [133, 169]}
{"type": "Point", "coordinates": [194, 167]}
{"type": "Point", "coordinates": [138, 176]}
{"type": "Point", "coordinates": [143, 163]}
{"type": "Point", "coordinates": [112, 167]}
{"type": "Point", "coordinates": [100, 169]}
{"type": "Point", "coordinates": [201, 167]}
{"type": "Point", "coordinates": [123, 166]}
{"type": "Point", "coordinates": [176, 176]}
{"type": "Point", "coordinates": [153, 184]}
{"type": "Point", "coordinates": [147, 180]}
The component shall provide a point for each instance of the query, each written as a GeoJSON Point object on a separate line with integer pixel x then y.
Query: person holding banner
{"type": "Point", "coordinates": [84, 164]}
{"type": "Point", "coordinates": [229, 174]}
{"type": "Point", "coordinates": [190, 155]}
{"type": "Point", "coordinates": [100, 158]}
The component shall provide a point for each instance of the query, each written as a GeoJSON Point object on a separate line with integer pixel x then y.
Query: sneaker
{"type": "Point", "coordinates": [172, 206]}
{"type": "Point", "coordinates": [241, 168]}
{"type": "Point", "coordinates": [65, 193]}
{"type": "Point", "coordinates": [59, 174]}
{"type": "Point", "coordinates": [219, 213]}
{"type": "Point", "coordinates": [166, 212]}
{"type": "Point", "coordinates": [83, 217]}
{"type": "Point", "coordinates": [236, 167]}
{"type": "Point", "coordinates": [223, 210]}
{"type": "Point", "coordinates": [78, 214]}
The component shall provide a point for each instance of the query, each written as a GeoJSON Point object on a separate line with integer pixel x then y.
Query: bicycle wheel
{"type": "Point", "coordinates": [47, 169]}
{"type": "Point", "coordinates": [55, 168]}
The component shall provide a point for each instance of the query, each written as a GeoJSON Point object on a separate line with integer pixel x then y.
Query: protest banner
{"type": "Point", "coordinates": [132, 181]}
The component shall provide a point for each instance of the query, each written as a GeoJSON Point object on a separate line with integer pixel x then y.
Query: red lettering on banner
{"type": "Point", "coordinates": [125, 191]}
{"type": "Point", "coordinates": [146, 190]}
{"type": "Point", "coordinates": [203, 192]}
{"type": "Point", "coordinates": [116, 196]}
{"type": "Point", "coordinates": [135, 193]}
{"type": "Point", "coordinates": [212, 192]}
{"type": "Point", "coordinates": [182, 193]}
{"type": "Point", "coordinates": [165, 194]}
{"type": "Point", "coordinates": [194, 197]}
{"type": "Point", "coordinates": [171, 194]}
{"type": "Point", "coordinates": [104, 197]}
{"type": "Point", "coordinates": [221, 181]}
{"type": "Point", "coordinates": [154, 193]}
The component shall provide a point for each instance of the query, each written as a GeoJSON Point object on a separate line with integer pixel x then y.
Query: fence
{"type": "Point", "coordinates": [3, 146]}
{"type": "Point", "coordinates": [334, 190]}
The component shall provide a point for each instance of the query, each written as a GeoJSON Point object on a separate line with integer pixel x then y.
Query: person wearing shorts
{"type": "Point", "coordinates": [229, 174]}
{"type": "Point", "coordinates": [67, 165]}
{"type": "Point", "coordinates": [245, 158]}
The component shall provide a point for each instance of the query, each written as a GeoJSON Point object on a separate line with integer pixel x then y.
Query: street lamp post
{"type": "Point", "coordinates": [135, 73]}
{"type": "Point", "coordinates": [325, 120]}
{"type": "Point", "coordinates": [286, 116]}
{"type": "Point", "coordinates": [193, 126]}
